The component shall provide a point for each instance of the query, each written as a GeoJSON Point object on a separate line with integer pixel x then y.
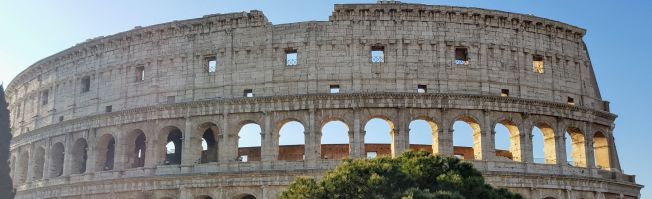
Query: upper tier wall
{"type": "Point", "coordinates": [419, 43]}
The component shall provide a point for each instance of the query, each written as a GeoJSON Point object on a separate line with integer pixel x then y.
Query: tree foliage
{"type": "Point", "coordinates": [414, 175]}
{"type": "Point", "coordinates": [6, 186]}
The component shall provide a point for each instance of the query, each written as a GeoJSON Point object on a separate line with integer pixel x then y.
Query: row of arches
{"type": "Point", "coordinates": [334, 140]}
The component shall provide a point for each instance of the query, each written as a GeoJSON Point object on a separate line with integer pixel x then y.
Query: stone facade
{"type": "Point", "coordinates": [93, 121]}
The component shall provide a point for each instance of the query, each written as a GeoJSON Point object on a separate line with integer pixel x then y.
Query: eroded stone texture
{"type": "Point", "coordinates": [93, 121]}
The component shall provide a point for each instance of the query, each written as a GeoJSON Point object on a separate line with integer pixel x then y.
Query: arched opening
{"type": "Point", "coordinates": [575, 150]}
{"type": "Point", "coordinates": [173, 145]}
{"type": "Point", "coordinates": [209, 149]}
{"type": "Point", "coordinates": [39, 163]}
{"type": "Point", "coordinates": [466, 139]}
{"type": "Point", "coordinates": [507, 141]}
{"type": "Point", "coordinates": [421, 137]}
{"type": "Point", "coordinates": [334, 140]}
{"type": "Point", "coordinates": [79, 156]}
{"type": "Point", "coordinates": [249, 143]}
{"type": "Point", "coordinates": [378, 137]}
{"type": "Point", "coordinates": [246, 196]}
{"type": "Point", "coordinates": [601, 151]}
{"type": "Point", "coordinates": [204, 197]}
{"type": "Point", "coordinates": [292, 141]}
{"type": "Point", "coordinates": [543, 144]}
{"type": "Point", "coordinates": [137, 148]}
{"type": "Point", "coordinates": [105, 153]}
{"type": "Point", "coordinates": [57, 155]}
{"type": "Point", "coordinates": [21, 169]}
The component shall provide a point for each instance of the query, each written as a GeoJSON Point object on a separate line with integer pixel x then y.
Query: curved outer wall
{"type": "Point", "coordinates": [96, 89]}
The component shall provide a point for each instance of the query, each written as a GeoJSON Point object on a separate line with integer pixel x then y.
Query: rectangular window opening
{"type": "Point", "coordinates": [378, 54]}
{"type": "Point", "coordinates": [248, 93]}
{"type": "Point", "coordinates": [44, 97]}
{"type": "Point", "coordinates": [171, 100]}
{"type": "Point", "coordinates": [60, 118]}
{"type": "Point", "coordinates": [211, 64]}
{"type": "Point", "coordinates": [571, 101]}
{"type": "Point", "coordinates": [140, 73]}
{"type": "Point", "coordinates": [86, 84]}
{"type": "Point", "coordinates": [335, 89]}
{"type": "Point", "coordinates": [504, 92]}
{"type": "Point", "coordinates": [537, 63]}
{"type": "Point", "coordinates": [461, 56]}
{"type": "Point", "coordinates": [108, 109]}
{"type": "Point", "coordinates": [422, 88]}
{"type": "Point", "coordinates": [243, 158]}
{"type": "Point", "coordinates": [371, 155]}
{"type": "Point", "coordinates": [291, 57]}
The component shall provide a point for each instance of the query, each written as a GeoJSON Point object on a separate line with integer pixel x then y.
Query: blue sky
{"type": "Point", "coordinates": [617, 38]}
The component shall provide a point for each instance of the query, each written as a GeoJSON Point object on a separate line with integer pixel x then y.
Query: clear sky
{"type": "Point", "coordinates": [617, 38]}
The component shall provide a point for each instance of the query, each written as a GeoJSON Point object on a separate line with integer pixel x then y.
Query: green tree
{"type": "Point", "coordinates": [6, 186]}
{"type": "Point", "coordinates": [414, 175]}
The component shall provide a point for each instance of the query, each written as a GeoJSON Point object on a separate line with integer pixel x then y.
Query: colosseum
{"type": "Point", "coordinates": [156, 112]}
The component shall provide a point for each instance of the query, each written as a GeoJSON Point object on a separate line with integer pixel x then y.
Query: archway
{"type": "Point", "coordinates": [575, 150]}
{"type": "Point", "coordinates": [137, 148]}
{"type": "Point", "coordinates": [507, 141]}
{"type": "Point", "coordinates": [209, 149]}
{"type": "Point", "coordinates": [203, 197]}
{"type": "Point", "coordinates": [467, 139]}
{"type": "Point", "coordinates": [249, 142]}
{"type": "Point", "coordinates": [246, 196]}
{"type": "Point", "coordinates": [601, 150]}
{"type": "Point", "coordinates": [105, 153]}
{"type": "Point", "coordinates": [57, 155]}
{"type": "Point", "coordinates": [543, 144]}
{"type": "Point", "coordinates": [173, 145]}
{"type": "Point", "coordinates": [79, 156]}
{"type": "Point", "coordinates": [291, 141]}
{"type": "Point", "coordinates": [39, 163]}
{"type": "Point", "coordinates": [422, 135]}
{"type": "Point", "coordinates": [335, 140]}
{"type": "Point", "coordinates": [378, 137]}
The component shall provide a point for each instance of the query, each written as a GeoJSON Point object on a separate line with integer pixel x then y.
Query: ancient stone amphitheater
{"type": "Point", "coordinates": [98, 120]}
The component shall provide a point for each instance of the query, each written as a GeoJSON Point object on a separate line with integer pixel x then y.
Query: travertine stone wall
{"type": "Point", "coordinates": [72, 109]}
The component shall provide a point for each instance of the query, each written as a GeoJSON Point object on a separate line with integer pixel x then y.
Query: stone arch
{"type": "Point", "coordinates": [601, 150]}
{"type": "Point", "coordinates": [245, 196]}
{"type": "Point", "coordinates": [136, 144]}
{"type": "Point", "coordinates": [476, 149]}
{"type": "Point", "coordinates": [423, 124]}
{"type": "Point", "coordinates": [335, 140]}
{"type": "Point", "coordinates": [39, 163]}
{"type": "Point", "coordinates": [21, 168]}
{"type": "Point", "coordinates": [578, 147]}
{"type": "Point", "coordinates": [105, 152]}
{"type": "Point", "coordinates": [57, 155]}
{"type": "Point", "coordinates": [548, 138]}
{"type": "Point", "coordinates": [209, 142]}
{"type": "Point", "coordinates": [373, 143]}
{"type": "Point", "coordinates": [250, 141]}
{"type": "Point", "coordinates": [293, 149]}
{"type": "Point", "coordinates": [204, 197]}
{"type": "Point", "coordinates": [514, 140]}
{"type": "Point", "coordinates": [79, 156]}
{"type": "Point", "coordinates": [172, 145]}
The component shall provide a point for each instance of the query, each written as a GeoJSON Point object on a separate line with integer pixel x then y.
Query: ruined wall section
{"type": "Point", "coordinates": [419, 43]}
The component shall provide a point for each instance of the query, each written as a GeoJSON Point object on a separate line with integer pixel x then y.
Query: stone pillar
{"type": "Point", "coordinates": [312, 142]}
{"type": "Point", "coordinates": [560, 149]}
{"type": "Point", "coordinates": [119, 154]}
{"type": "Point", "coordinates": [188, 154]}
{"type": "Point", "coordinates": [46, 160]}
{"type": "Point", "coordinates": [357, 141]}
{"type": "Point", "coordinates": [152, 150]}
{"type": "Point", "coordinates": [588, 146]}
{"type": "Point", "coordinates": [527, 151]}
{"type": "Point", "coordinates": [443, 142]}
{"type": "Point", "coordinates": [227, 153]}
{"type": "Point", "coordinates": [487, 136]}
{"type": "Point", "coordinates": [91, 141]}
{"type": "Point", "coordinates": [269, 139]}
{"type": "Point", "coordinates": [67, 157]}
{"type": "Point", "coordinates": [30, 164]}
{"type": "Point", "coordinates": [400, 134]}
